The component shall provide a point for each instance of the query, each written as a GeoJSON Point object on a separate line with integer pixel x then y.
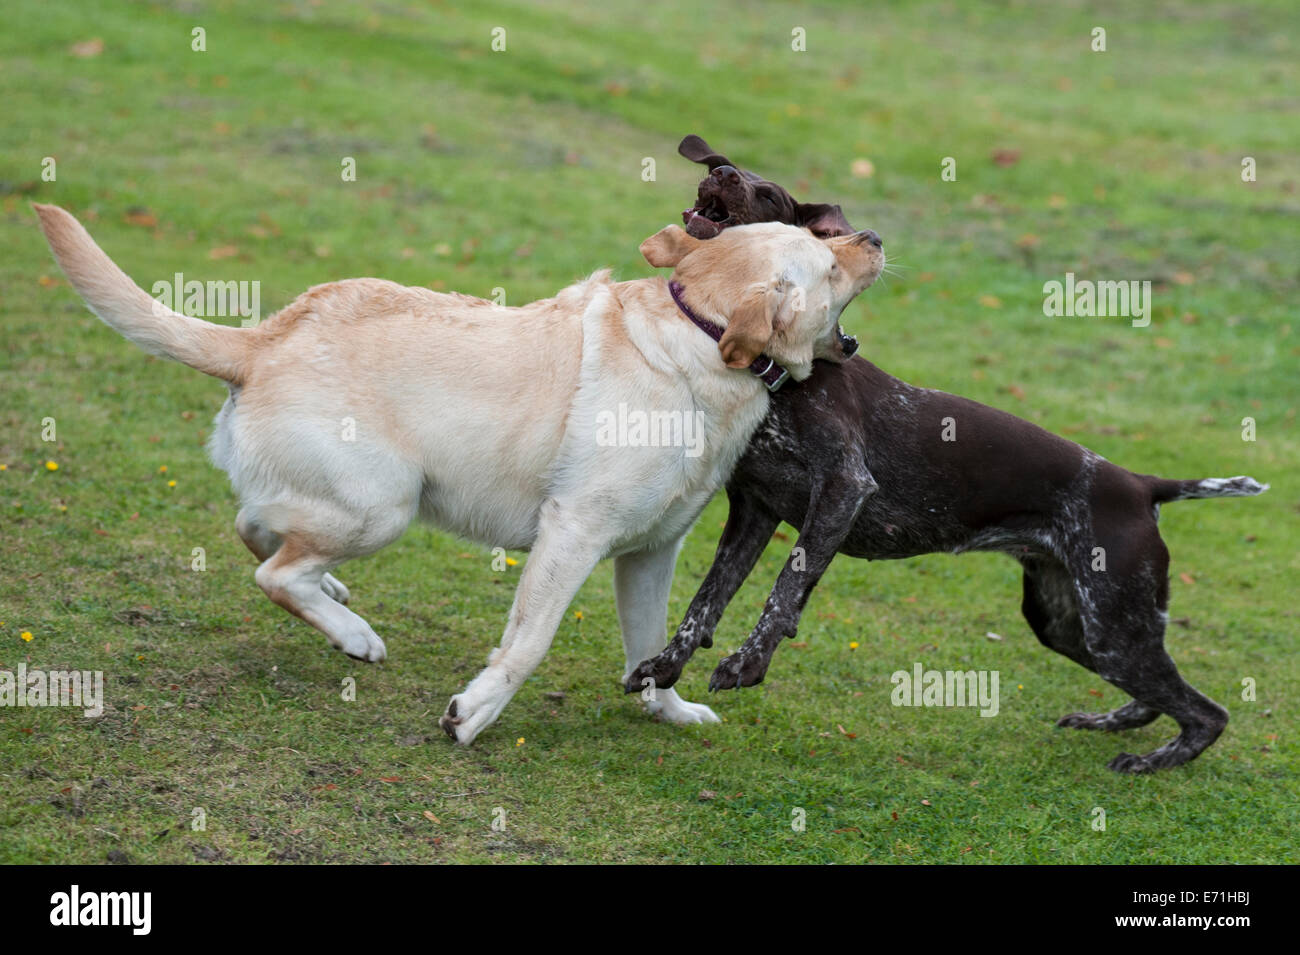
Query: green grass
{"type": "Point", "coordinates": [521, 170]}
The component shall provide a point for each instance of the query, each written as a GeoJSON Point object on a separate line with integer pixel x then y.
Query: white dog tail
{"type": "Point", "coordinates": [217, 350]}
{"type": "Point", "coordinates": [1163, 490]}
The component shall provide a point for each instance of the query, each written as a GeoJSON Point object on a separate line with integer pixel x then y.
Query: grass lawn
{"type": "Point", "coordinates": [522, 170]}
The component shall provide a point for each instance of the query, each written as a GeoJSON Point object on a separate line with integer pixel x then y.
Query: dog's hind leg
{"type": "Point", "coordinates": [641, 584]}
{"type": "Point", "coordinates": [748, 529]}
{"type": "Point", "coordinates": [1124, 619]}
{"type": "Point", "coordinates": [1051, 608]}
{"type": "Point", "coordinates": [292, 577]}
{"type": "Point", "coordinates": [1127, 717]}
{"type": "Point", "coordinates": [315, 536]}
{"type": "Point", "coordinates": [264, 542]}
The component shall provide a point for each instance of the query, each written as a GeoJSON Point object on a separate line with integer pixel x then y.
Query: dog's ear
{"type": "Point", "coordinates": [749, 328]}
{"type": "Point", "coordinates": [669, 246]}
{"type": "Point", "coordinates": [697, 150]}
{"type": "Point", "coordinates": [824, 220]}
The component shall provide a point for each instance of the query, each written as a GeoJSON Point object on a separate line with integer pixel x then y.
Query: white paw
{"type": "Point", "coordinates": [475, 709]}
{"type": "Point", "coordinates": [669, 706]}
{"type": "Point", "coordinates": [362, 643]}
{"type": "Point", "coordinates": [334, 589]}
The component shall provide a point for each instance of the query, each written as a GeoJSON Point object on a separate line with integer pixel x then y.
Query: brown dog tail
{"type": "Point", "coordinates": [216, 350]}
{"type": "Point", "coordinates": [1163, 490]}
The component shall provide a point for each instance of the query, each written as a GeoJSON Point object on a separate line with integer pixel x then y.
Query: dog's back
{"type": "Point", "coordinates": [952, 474]}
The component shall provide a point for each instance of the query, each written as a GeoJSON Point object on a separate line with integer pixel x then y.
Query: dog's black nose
{"type": "Point", "coordinates": [727, 174]}
{"type": "Point", "coordinates": [874, 239]}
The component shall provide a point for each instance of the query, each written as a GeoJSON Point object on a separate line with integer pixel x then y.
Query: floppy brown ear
{"type": "Point", "coordinates": [824, 220]}
{"type": "Point", "coordinates": [748, 330]}
{"type": "Point", "coordinates": [669, 246]}
{"type": "Point", "coordinates": [697, 150]}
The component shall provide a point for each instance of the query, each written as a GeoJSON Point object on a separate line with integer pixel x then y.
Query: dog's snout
{"type": "Point", "coordinates": [869, 235]}
{"type": "Point", "coordinates": [726, 174]}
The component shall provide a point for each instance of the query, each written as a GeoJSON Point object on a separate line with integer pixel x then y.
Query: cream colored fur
{"type": "Point", "coordinates": [365, 404]}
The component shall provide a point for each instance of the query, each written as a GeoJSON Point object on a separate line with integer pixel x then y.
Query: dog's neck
{"type": "Point", "coordinates": [764, 368]}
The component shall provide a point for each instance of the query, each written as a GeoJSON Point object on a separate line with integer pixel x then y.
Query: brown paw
{"type": "Point", "coordinates": [661, 671]}
{"type": "Point", "coordinates": [739, 669]}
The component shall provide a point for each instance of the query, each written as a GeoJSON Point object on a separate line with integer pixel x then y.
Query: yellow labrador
{"type": "Point", "coordinates": [365, 404]}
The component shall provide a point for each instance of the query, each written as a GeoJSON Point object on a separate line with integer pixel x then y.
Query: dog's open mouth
{"type": "Point", "coordinates": [848, 344]}
{"type": "Point", "coordinates": [707, 219]}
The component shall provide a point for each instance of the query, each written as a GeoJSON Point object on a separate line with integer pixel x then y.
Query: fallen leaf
{"type": "Point", "coordinates": [706, 794]}
{"type": "Point", "coordinates": [87, 48]}
{"type": "Point", "coordinates": [1006, 157]}
{"type": "Point", "coordinates": [431, 817]}
{"type": "Point", "coordinates": [1187, 578]}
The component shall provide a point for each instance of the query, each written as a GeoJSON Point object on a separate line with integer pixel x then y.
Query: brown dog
{"type": "Point", "coordinates": [729, 196]}
{"type": "Point", "coordinates": [870, 466]}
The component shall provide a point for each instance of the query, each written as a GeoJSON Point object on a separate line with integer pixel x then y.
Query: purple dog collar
{"type": "Point", "coordinates": [765, 369]}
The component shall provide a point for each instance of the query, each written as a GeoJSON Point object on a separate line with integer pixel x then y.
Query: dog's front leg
{"type": "Point", "coordinates": [564, 555]}
{"type": "Point", "coordinates": [749, 527]}
{"type": "Point", "coordinates": [641, 584]}
{"type": "Point", "coordinates": [837, 496]}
